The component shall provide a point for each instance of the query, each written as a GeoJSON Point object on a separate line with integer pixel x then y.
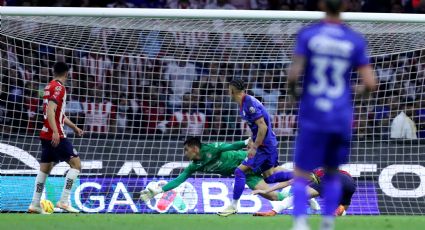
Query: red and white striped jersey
{"type": "Point", "coordinates": [284, 124]}
{"type": "Point", "coordinates": [55, 92]}
{"type": "Point", "coordinates": [97, 116]}
{"type": "Point", "coordinates": [196, 122]}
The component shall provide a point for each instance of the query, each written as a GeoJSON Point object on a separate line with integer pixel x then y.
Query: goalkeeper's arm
{"type": "Point", "coordinates": [234, 146]}
{"type": "Point", "coordinates": [149, 193]}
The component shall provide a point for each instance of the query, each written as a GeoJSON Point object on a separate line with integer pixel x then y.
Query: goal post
{"type": "Point", "coordinates": [142, 80]}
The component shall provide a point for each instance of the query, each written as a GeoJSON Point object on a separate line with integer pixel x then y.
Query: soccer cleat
{"type": "Point", "coordinates": [340, 211]}
{"type": "Point", "coordinates": [230, 210]}
{"type": "Point", "coordinates": [37, 210]}
{"type": "Point", "coordinates": [314, 178]}
{"type": "Point", "coordinates": [314, 205]}
{"type": "Point", "coordinates": [66, 207]}
{"type": "Point", "coordinates": [268, 213]}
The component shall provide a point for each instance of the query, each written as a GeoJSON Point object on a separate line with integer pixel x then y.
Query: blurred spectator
{"type": "Point", "coordinates": [218, 125]}
{"type": "Point", "coordinates": [32, 105]}
{"type": "Point", "coordinates": [184, 4]}
{"type": "Point", "coordinates": [189, 120]}
{"type": "Point", "coordinates": [74, 111]}
{"type": "Point", "coordinates": [285, 120]}
{"type": "Point", "coordinates": [120, 4]}
{"type": "Point", "coordinates": [153, 4]}
{"type": "Point", "coordinates": [220, 4]}
{"type": "Point", "coordinates": [180, 76]}
{"type": "Point", "coordinates": [99, 114]}
{"type": "Point", "coordinates": [403, 127]}
{"type": "Point", "coordinates": [97, 65]}
{"type": "Point", "coordinates": [5, 116]}
{"type": "Point", "coordinates": [153, 111]}
{"type": "Point", "coordinates": [123, 109]}
{"type": "Point", "coordinates": [268, 91]}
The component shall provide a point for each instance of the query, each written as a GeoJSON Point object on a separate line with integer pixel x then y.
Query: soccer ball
{"type": "Point", "coordinates": [47, 206]}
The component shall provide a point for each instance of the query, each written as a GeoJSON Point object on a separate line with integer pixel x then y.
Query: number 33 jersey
{"type": "Point", "coordinates": [331, 51]}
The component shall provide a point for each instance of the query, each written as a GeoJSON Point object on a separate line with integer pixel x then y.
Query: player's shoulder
{"type": "Point", "coordinates": [354, 35]}
{"type": "Point", "coordinates": [311, 28]}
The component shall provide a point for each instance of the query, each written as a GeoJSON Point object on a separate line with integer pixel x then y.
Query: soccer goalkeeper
{"type": "Point", "coordinates": [218, 158]}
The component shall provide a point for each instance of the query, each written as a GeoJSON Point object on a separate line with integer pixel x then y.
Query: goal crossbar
{"type": "Point", "coordinates": [203, 14]}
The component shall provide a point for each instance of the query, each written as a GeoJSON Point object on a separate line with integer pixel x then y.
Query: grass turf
{"type": "Point", "coordinates": [195, 222]}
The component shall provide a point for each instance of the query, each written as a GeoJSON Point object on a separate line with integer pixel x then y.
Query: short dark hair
{"type": "Point", "coordinates": [60, 68]}
{"type": "Point", "coordinates": [238, 83]}
{"type": "Point", "coordinates": [334, 6]}
{"type": "Point", "coordinates": [193, 141]}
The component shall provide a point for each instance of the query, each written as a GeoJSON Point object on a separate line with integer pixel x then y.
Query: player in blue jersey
{"type": "Point", "coordinates": [262, 154]}
{"type": "Point", "coordinates": [325, 53]}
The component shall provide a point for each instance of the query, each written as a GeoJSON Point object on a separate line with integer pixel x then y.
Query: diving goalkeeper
{"type": "Point", "coordinates": [218, 158]}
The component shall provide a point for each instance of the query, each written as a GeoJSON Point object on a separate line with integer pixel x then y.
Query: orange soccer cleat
{"type": "Point", "coordinates": [340, 211]}
{"type": "Point", "coordinates": [268, 213]}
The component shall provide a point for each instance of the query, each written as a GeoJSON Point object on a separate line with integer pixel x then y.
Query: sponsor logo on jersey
{"type": "Point", "coordinates": [252, 109]}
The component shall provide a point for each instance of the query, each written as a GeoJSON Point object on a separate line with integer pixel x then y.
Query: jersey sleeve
{"type": "Point", "coordinates": [301, 44]}
{"type": "Point", "coordinates": [253, 111]}
{"type": "Point", "coordinates": [57, 94]}
{"type": "Point", "coordinates": [180, 179]}
{"type": "Point", "coordinates": [223, 147]}
{"type": "Point", "coordinates": [361, 56]}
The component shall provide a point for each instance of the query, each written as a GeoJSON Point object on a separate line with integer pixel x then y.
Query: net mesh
{"type": "Point", "coordinates": [139, 87]}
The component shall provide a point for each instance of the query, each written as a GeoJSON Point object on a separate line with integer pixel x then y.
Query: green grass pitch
{"type": "Point", "coordinates": [195, 222]}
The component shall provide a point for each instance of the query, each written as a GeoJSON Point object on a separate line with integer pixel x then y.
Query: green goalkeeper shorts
{"type": "Point", "coordinates": [253, 179]}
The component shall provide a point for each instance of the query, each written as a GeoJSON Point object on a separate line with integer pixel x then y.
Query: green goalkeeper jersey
{"type": "Point", "coordinates": [219, 158]}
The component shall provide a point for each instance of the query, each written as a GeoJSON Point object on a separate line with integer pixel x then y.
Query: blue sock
{"type": "Point", "coordinates": [239, 184]}
{"type": "Point", "coordinates": [331, 193]}
{"type": "Point", "coordinates": [280, 176]}
{"type": "Point", "coordinates": [299, 189]}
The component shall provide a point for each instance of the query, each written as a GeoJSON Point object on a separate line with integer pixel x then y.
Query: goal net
{"type": "Point", "coordinates": [139, 85]}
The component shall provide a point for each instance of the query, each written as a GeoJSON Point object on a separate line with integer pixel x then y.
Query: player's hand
{"type": "Point", "coordinates": [79, 132]}
{"type": "Point", "coordinates": [146, 195]}
{"type": "Point", "coordinates": [256, 192]}
{"type": "Point", "coordinates": [252, 152]}
{"type": "Point", "coordinates": [55, 139]}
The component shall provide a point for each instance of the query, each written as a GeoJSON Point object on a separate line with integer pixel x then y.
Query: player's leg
{"type": "Point", "coordinates": [67, 154]}
{"type": "Point", "coordinates": [348, 189]}
{"type": "Point", "coordinates": [337, 154]}
{"type": "Point", "coordinates": [239, 186]}
{"type": "Point", "coordinates": [46, 165]}
{"type": "Point", "coordinates": [310, 147]}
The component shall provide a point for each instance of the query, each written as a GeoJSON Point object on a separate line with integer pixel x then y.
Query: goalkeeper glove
{"type": "Point", "coordinates": [149, 193]}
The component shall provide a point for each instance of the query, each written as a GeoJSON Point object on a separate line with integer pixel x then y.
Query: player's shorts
{"type": "Point", "coordinates": [265, 159]}
{"type": "Point", "coordinates": [348, 188]}
{"type": "Point", "coordinates": [63, 152]}
{"type": "Point", "coordinates": [252, 179]}
{"type": "Point", "coordinates": [314, 149]}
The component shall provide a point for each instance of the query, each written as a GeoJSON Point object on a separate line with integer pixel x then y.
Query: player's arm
{"type": "Point", "coordinates": [149, 193]}
{"type": "Point", "coordinates": [295, 71]}
{"type": "Point", "coordinates": [73, 126]}
{"type": "Point", "coordinates": [51, 112]}
{"type": "Point", "coordinates": [224, 147]}
{"type": "Point", "coordinates": [262, 131]}
{"type": "Point", "coordinates": [368, 80]}
{"type": "Point", "coordinates": [274, 188]}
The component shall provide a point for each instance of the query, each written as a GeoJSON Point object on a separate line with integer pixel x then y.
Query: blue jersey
{"type": "Point", "coordinates": [331, 51]}
{"type": "Point", "coordinates": [252, 110]}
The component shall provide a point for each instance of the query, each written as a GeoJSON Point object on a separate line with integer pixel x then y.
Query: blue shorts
{"type": "Point", "coordinates": [265, 159]}
{"type": "Point", "coordinates": [348, 188]}
{"type": "Point", "coordinates": [314, 149]}
{"type": "Point", "coordinates": [63, 152]}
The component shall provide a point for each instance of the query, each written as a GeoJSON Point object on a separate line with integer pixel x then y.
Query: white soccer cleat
{"type": "Point", "coordinates": [37, 210]}
{"type": "Point", "coordinates": [66, 207]}
{"type": "Point", "coordinates": [230, 210]}
{"type": "Point", "coordinates": [314, 205]}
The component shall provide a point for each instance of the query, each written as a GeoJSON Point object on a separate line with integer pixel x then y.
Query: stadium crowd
{"type": "Point", "coordinates": [157, 93]}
